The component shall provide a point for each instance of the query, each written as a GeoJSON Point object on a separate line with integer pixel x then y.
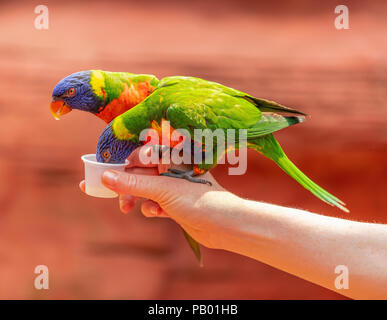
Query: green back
{"type": "Point", "coordinates": [192, 103]}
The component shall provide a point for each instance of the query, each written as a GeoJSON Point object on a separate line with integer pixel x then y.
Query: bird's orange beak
{"type": "Point", "coordinates": [59, 108]}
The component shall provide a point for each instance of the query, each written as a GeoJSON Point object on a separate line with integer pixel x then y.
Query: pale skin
{"type": "Point", "coordinates": [305, 244]}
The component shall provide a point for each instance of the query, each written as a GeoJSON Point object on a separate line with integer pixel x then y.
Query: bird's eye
{"type": "Point", "coordinates": [71, 91]}
{"type": "Point", "coordinates": [106, 154]}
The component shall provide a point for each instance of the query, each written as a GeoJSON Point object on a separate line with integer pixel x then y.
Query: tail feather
{"type": "Point", "coordinates": [270, 148]}
{"type": "Point", "coordinates": [288, 166]}
{"type": "Point", "coordinates": [195, 246]}
{"type": "Point", "coordinates": [271, 122]}
{"type": "Point", "coordinates": [271, 106]}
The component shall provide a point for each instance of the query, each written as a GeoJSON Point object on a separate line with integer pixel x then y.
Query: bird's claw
{"type": "Point", "coordinates": [187, 175]}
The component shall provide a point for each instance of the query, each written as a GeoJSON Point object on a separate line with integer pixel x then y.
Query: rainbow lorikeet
{"type": "Point", "coordinates": [191, 103]}
{"type": "Point", "coordinates": [107, 95]}
{"type": "Point", "coordinates": [186, 102]}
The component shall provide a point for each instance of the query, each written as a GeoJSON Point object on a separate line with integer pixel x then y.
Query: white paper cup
{"type": "Point", "coordinates": [93, 175]}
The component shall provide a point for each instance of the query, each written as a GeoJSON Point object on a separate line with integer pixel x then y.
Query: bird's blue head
{"type": "Point", "coordinates": [110, 149]}
{"type": "Point", "coordinates": [75, 92]}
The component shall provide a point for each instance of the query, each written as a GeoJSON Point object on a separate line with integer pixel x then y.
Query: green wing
{"type": "Point", "coordinates": [196, 83]}
{"type": "Point", "coordinates": [204, 108]}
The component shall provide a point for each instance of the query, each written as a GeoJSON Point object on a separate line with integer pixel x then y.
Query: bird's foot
{"type": "Point", "coordinates": [188, 175]}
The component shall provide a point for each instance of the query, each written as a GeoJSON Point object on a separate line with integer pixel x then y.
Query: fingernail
{"type": "Point", "coordinates": [125, 206]}
{"type": "Point", "coordinates": [110, 178]}
{"type": "Point", "coordinates": [153, 210]}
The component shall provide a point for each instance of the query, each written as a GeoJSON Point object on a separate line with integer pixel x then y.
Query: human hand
{"type": "Point", "coordinates": [201, 210]}
{"type": "Point", "coordinates": [299, 242]}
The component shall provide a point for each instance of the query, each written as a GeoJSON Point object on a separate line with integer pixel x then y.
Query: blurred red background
{"type": "Point", "coordinates": [287, 51]}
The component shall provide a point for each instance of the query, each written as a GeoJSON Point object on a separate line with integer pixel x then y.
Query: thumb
{"type": "Point", "coordinates": [144, 186]}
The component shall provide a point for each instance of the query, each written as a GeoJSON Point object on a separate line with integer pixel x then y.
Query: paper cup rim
{"type": "Point", "coordinates": [101, 164]}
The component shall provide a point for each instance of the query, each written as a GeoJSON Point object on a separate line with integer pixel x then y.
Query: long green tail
{"type": "Point", "coordinates": [270, 148]}
{"type": "Point", "coordinates": [195, 246]}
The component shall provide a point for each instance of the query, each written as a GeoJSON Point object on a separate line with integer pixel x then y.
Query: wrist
{"type": "Point", "coordinates": [246, 228]}
{"type": "Point", "coordinates": [230, 221]}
